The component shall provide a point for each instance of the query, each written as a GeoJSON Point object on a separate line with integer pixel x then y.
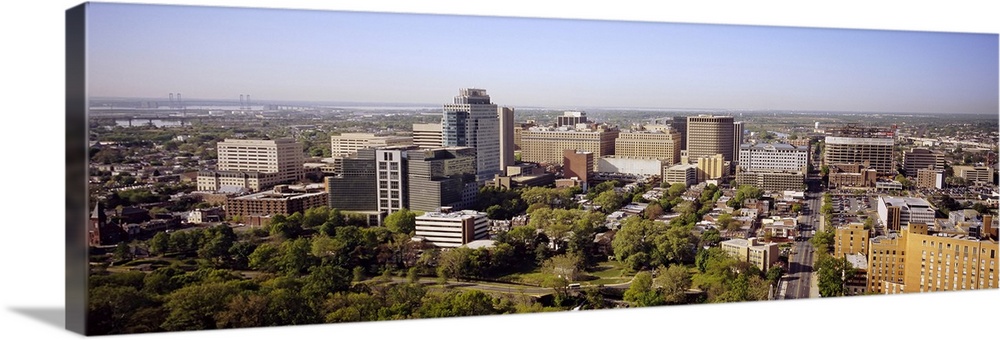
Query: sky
{"type": "Point", "coordinates": [221, 53]}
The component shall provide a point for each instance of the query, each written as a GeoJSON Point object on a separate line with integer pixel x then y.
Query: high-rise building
{"type": "Point", "coordinates": [708, 135]}
{"type": "Point", "coordinates": [347, 144]}
{"type": "Point", "coordinates": [442, 177]}
{"type": "Point", "coordinates": [579, 164]}
{"type": "Point", "coordinates": [571, 118]}
{"type": "Point", "coordinates": [471, 121]}
{"type": "Point", "coordinates": [392, 184]}
{"type": "Point", "coordinates": [506, 116]}
{"type": "Point", "coordinates": [918, 159]}
{"type": "Point", "coordinates": [738, 129]}
{"type": "Point", "coordinates": [254, 164]}
{"type": "Point", "coordinates": [773, 157]}
{"type": "Point", "coordinates": [546, 144]}
{"type": "Point", "coordinates": [355, 187]}
{"type": "Point", "coordinates": [924, 259]}
{"type": "Point", "coordinates": [427, 136]}
{"type": "Point", "coordinates": [680, 124]}
{"type": "Point", "coordinates": [664, 145]}
{"type": "Point", "coordinates": [854, 145]}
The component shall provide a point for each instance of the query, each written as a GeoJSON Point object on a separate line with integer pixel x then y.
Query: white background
{"type": "Point", "coordinates": [33, 195]}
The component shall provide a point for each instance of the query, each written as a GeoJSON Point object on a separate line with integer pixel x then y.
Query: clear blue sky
{"type": "Point", "coordinates": [220, 53]}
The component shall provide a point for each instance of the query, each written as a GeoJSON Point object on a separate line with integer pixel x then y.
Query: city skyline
{"type": "Point", "coordinates": [149, 51]}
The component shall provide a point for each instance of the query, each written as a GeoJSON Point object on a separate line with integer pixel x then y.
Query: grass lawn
{"type": "Point", "coordinates": [609, 272]}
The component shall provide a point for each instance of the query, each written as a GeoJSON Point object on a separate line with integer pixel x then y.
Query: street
{"type": "Point", "coordinates": [800, 262]}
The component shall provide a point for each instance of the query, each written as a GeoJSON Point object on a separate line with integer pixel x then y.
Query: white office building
{"type": "Point", "coordinates": [448, 229]}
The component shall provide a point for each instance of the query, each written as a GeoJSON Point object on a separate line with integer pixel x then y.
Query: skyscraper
{"type": "Point", "coordinates": [506, 116]}
{"type": "Point", "coordinates": [708, 135]}
{"type": "Point", "coordinates": [472, 121]}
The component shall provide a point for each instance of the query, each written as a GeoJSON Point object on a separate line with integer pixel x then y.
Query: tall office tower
{"type": "Point", "coordinates": [855, 145]}
{"type": "Point", "coordinates": [393, 192]}
{"type": "Point", "coordinates": [347, 144]}
{"type": "Point", "coordinates": [660, 144]}
{"type": "Point", "coordinates": [708, 135]}
{"type": "Point", "coordinates": [355, 188]}
{"type": "Point", "coordinates": [546, 144]}
{"type": "Point", "coordinates": [254, 164]}
{"type": "Point", "coordinates": [472, 121]}
{"type": "Point", "coordinates": [579, 164]}
{"type": "Point", "coordinates": [571, 118]}
{"type": "Point", "coordinates": [506, 116]}
{"type": "Point", "coordinates": [427, 136]}
{"type": "Point", "coordinates": [762, 156]}
{"type": "Point", "coordinates": [920, 159]}
{"type": "Point", "coordinates": [442, 177]}
{"type": "Point", "coordinates": [680, 124]}
{"type": "Point", "coordinates": [737, 140]}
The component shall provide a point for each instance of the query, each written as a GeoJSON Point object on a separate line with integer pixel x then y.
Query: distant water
{"type": "Point", "coordinates": [142, 122]}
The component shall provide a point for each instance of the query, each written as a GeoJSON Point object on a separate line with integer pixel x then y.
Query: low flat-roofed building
{"type": "Point", "coordinates": [681, 173]}
{"type": "Point", "coordinates": [447, 229]}
{"type": "Point", "coordinates": [282, 200]}
{"type": "Point", "coordinates": [974, 173]}
{"type": "Point", "coordinates": [762, 255]}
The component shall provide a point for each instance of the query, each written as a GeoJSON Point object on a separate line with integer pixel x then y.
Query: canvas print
{"type": "Point", "coordinates": [260, 167]}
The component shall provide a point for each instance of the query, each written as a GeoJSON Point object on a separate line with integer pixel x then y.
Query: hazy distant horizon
{"type": "Point", "coordinates": [215, 52]}
{"type": "Point", "coordinates": [165, 101]}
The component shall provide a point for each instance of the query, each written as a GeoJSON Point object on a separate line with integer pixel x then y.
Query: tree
{"type": "Point", "coordinates": [832, 272]}
{"type": "Point", "coordinates": [676, 190]}
{"type": "Point", "coordinates": [196, 307]}
{"type": "Point", "coordinates": [653, 211]}
{"type": "Point", "coordinates": [609, 201]}
{"type": "Point", "coordinates": [401, 221]}
{"type": "Point", "coordinates": [567, 266]}
{"type": "Point", "coordinates": [710, 237]}
{"type": "Point", "coordinates": [673, 282]}
{"type": "Point", "coordinates": [640, 292]}
{"type": "Point", "coordinates": [160, 244]}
